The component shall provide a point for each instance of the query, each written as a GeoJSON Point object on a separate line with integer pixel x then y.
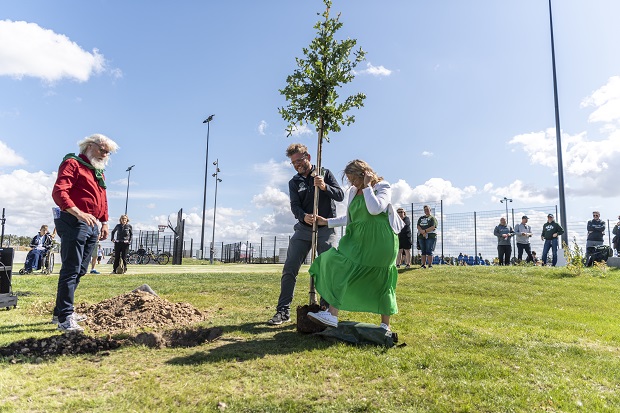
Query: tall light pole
{"type": "Point", "coordinates": [505, 201]}
{"type": "Point", "coordinates": [127, 196]}
{"type": "Point", "coordinates": [558, 137]}
{"type": "Point", "coordinates": [204, 198]}
{"type": "Point", "coordinates": [217, 179]}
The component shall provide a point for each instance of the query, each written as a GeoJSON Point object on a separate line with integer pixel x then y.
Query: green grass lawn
{"type": "Point", "coordinates": [478, 339]}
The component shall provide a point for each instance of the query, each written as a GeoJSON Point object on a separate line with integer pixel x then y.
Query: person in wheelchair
{"type": "Point", "coordinates": [40, 245]}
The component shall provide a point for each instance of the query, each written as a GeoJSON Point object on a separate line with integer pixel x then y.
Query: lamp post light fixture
{"type": "Point", "coordinates": [127, 196]}
{"type": "Point", "coordinates": [217, 179]}
{"type": "Point", "coordinates": [204, 198]}
{"type": "Point", "coordinates": [506, 200]}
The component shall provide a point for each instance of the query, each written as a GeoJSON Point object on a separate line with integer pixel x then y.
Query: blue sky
{"type": "Point", "coordinates": [459, 104]}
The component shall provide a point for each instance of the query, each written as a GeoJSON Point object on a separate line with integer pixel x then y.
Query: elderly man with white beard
{"type": "Point", "coordinates": [80, 193]}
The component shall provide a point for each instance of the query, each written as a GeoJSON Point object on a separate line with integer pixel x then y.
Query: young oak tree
{"type": "Point", "coordinates": [312, 92]}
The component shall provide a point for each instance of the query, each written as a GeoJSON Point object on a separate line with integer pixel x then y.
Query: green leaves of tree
{"type": "Point", "coordinates": [311, 91]}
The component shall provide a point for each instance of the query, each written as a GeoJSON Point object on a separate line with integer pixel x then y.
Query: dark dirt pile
{"type": "Point", "coordinates": [157, 322]}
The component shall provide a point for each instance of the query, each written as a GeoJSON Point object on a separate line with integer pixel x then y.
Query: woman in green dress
{"type": "Point", "coordinates": [361, 274]}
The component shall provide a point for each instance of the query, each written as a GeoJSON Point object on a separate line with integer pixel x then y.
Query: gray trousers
{"type": "Point", "coordinates": [298, 248]}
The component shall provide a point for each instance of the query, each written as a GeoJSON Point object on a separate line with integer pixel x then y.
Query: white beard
{"type": "Point", "coordinates": [98, 163]}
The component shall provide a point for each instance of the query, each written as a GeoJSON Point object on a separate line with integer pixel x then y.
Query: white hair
{"type": "Point", "coordinates": [98, 139]}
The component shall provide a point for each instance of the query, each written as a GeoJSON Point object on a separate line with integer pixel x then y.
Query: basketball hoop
{"type": "Point", "coordinates": [162, 228]}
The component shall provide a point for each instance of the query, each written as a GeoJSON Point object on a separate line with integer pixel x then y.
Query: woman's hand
{"type": "Point", "coordinates": [367, 179]}
{"type": "Point", "coordinates": [320, 220]}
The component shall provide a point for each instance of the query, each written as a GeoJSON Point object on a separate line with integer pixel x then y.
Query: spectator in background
{"type": "Point", "coordinates": [596, 230]}
{"type": "Point", "coordinates": [39, 245]}
{"type": "Point", "coordinates": [616, 240]}
{"type": "Point", "coordinates": [550, 233]}
{"type": "Point", "coordinates": [523, 232]}
{"type": "Point", "coordinates": [427, 237]}
{"type": "Point", "coordinates": [96, 259]}
{"type": "Point", "coordinates": [404, 241]}
{"type": "Point", "coordinates": [504, 233]}
{"type": "Point", "coordinates": [534, 258]}
{"type": "Point", "coordinates": [122, 234]}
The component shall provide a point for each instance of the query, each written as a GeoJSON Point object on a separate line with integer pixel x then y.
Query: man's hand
{"type": "Point", "coordinates": [309, 219]}
{"type": "Point", "coordinates": [319, 182]}
{"type": "Point", "coordinates": [555, 235]}
{"type": "Point", "coordinates": [103, 234]}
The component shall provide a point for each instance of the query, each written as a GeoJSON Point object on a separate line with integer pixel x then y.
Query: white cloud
{"type": "Point", "coordinates": [27, 198]}
{"type": "Point", "coordinates": [26, 49]}
{"type": "Point", "coordinates": [434, 189]}
{"type": "Point", "coordinates": [272, 197]}
{"type": "Point", "coordinates": [150, 206]}
{"type": "Point", "coordinates": [8, 157]}
{"type": "Point", "coordinates": [262, 127]}
{"type": "Point", "coordinates": [375, 70]}
{"type": "Point", "coordinates": [299, 130]}
{"type": "Point", "coordinates": [522, 193]}
{"type": "Point", "coordinates": [277, 174]}
{"type": "Point", "coordinates": [606, 100]}
{"type": "Point", "coordinates": [427, 154]}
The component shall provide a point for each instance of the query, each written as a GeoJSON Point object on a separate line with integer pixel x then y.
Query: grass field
{"type": "Point", "coordinates": [478, 339]}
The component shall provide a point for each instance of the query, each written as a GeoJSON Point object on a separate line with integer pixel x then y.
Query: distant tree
{"type": "Point", "coordinates": [311, 91]}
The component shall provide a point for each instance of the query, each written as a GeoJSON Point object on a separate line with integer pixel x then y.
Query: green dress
{"type": "Point", "coordinates": [360, 275]}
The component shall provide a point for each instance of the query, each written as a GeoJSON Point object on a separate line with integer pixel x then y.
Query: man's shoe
{"type": "Point", "coordinates": [407, 266]}
{"type": "Point", "coordinates": [55, 319]}
{"type": "Point", "coordinates": [423, 266]}
{"type": "Point", "coordinates": [279, 318]}
{"type": "Point", "coordinates": [324, 318]}
{"type": "Point", "coordinates": [398, 266]}
{"type": "Point", "coordinates": [430, 265]}
{"type": "Point", "coordinates": [70, 326]}
{"type": "Point", "coordinates": [79, 317]}
{"type": "Point", "coordinates": [94, 272]}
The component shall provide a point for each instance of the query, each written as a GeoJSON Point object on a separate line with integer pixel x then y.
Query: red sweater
{"type": "Point", "coordinates": [76, 186]}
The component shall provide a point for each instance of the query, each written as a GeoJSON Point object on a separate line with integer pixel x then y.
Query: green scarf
{"type": "Point", "coordinates": [98, 172]}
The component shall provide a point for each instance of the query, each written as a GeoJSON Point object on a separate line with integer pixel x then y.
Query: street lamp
{"type": "Point", "coordinates": [506, 200]}
{"type": "Point", "coordinates": [204, 199]}
{"type": "Point", "coordinates": [128, 176]}
{"type": "Point", "coordinates": [558, 136]}
{"type": "Point", "coordinates": [217, 179]}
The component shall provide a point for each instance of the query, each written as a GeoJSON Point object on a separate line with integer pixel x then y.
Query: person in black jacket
{"type": "Point", "coordinates": [121, 237]}
{"type": "Point", "coordinates": [596, 230]}
{"type": "Point", "coordinates": [404, 241]}
{"type": "Point", "coordinates": [550, 233]}
{"type": "Point", "coordinates": [301, 193]}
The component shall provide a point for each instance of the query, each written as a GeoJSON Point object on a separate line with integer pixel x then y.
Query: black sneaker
{"type": "Point", "coordinates": [430, 265]}
{"type": "Point", "coordinates": [423, 266]}
{"type": "Point", "coordinates": [279, 318]}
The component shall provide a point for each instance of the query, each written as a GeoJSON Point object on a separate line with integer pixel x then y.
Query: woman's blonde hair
{"type": "Point", "coordinates": [123, 216]}
{"type": "Point", "coordinates": [357, 167]}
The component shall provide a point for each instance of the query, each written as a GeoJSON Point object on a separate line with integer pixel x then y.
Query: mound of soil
{"type": "Point", "coordinates": [166, 324]}
{"type": "Point", "coordinates": [135, 311]}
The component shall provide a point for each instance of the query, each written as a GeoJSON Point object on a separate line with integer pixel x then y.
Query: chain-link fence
{"type": "Point", "coordinates": [467, 233]}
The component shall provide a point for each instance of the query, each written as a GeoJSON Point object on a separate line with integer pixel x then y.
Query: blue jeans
{"type": "Point", "coordinates": [427, 245]}
{"type": "Point", "coordinates": [32, 259]}
{"type": "Point", "coordinates": [78, 241]}
{"type": "Point", "coordinates": [553, 244]}
{"type": "Point", "coordinates": [298, 248]}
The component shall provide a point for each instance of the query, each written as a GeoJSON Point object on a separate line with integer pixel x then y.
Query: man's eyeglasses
{"type": "Point", "coordinates": [300, 160]}
{"type": "Point", "coordinates": [101, 150]}
{"type": "Point", "coordinates": [596, 215]}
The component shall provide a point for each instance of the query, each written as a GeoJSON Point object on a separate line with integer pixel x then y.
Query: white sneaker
{"type": "Point", "coordinates": [385, 327]}
{"type": "Point", "coordinates": [325, 318]}
{"type": "Point", "coordinates": [70, 326]}
{"type": "Point", "coordinates": [78, 318]}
